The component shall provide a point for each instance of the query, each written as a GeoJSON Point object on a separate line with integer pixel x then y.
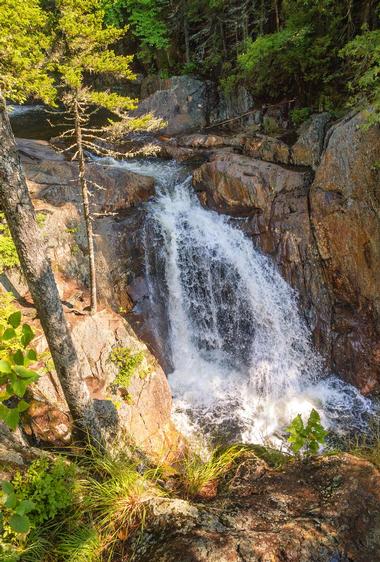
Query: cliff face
{"type": "Point", "coordinates": [323, 230]}
{"type": "Point", "coordinates": [142, 405]}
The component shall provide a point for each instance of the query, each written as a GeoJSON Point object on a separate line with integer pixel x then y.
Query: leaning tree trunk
{"type": "Point", "coordinates": [19, 212]}
{"type": "Point", "coordinates": [86, 208]}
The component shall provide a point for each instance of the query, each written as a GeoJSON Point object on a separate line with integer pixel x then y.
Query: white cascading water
{"type": "Point", "coordinates": [243, 364]}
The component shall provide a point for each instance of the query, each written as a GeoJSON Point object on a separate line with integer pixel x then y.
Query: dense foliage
{"type": "Point", "coordinates": [318, 52]}
{"type": "Point", "coordinates": [16, 357]}
{"type": "Point", "coordinates": [24, 43]}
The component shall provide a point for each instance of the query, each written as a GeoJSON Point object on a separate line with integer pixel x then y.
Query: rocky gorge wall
{"type": "Point", "coordinates": [310, 200]}
{"type": "Point", "coordinates": [141, 408]}
{"type": "Point", "coordinates": [322, 230]}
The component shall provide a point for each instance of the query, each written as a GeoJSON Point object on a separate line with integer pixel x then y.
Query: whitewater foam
{"type": "Point", "coordinates": [243, 362]}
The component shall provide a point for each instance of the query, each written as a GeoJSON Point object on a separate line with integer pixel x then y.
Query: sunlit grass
{"type": "Point", "coordinates": [83, 544]}
{"type": "Point", "coordinates": [367, 446]}
{"type": "Point", "coordinates": [197, 474]}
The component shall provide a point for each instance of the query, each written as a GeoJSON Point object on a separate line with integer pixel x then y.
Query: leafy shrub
{"type": "Point", "coordinates": [15, 513]}
{"type": "Point", "coordinates": [309, 438]}
{"type": "Point", "coordinates": [299, 116]}
{"type": "Point", "coordinates": [129, 364]}
{"type": "Point", "coordinates": [50, 485]}
{"type": "Point", "coordinates": [363, 55]}
{"type": "Point", "coordinates": [15, 376]}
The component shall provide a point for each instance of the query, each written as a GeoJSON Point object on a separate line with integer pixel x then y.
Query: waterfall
{"type": "Point", "coordinates": [242, 360]}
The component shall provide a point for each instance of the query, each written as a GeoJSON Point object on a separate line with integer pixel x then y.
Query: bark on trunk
{"type": "Point", "coordinates": [19, 212]}
{"type": "Point", "coordinates": [86, 210]}
{"type": "Point", "coordinates": [187, 40]}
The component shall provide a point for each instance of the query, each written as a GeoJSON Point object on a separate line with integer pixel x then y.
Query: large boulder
{"type": "Point", "coordinates": [345, 216]}
{"type": "Point", "coordinates": [237, 184]}
{"type": "Point", "coordinates": [307, 150]}
{"type": "Point", "coordinates": [267, 148]}
{"type": "Point", "coordinates": [181, 101]}
{"type": "Point", "coordinates": [141, 411]}
{"type": "Point", "coordinates": [327, 510]}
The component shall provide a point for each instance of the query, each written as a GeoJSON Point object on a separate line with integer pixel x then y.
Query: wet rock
{"type": "Point", "coordinates": [304, 513]}
{"type": "Point", "coordinates": [274, 202]}
{"type": "Point", "coordinates": [267, 148]}
{"type": "Point", "coordinates": [345, 215]}
{"type": "Point", "coordinates": [238, 184]}
{"type": "Point", "coordinates": [181, 101]}
{"type": "Point", "coordinates": [308, 148]}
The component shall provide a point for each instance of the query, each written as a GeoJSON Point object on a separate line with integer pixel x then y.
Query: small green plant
{"type": "Point", "coordinates": [306, 439]}
{"type": "Point", "coordinates": [15, 376]}
{"type": "Point", "coordinates": [129, 364]}
{"type": "Point", "coordinates": [49, 485]}
{"type": "Point", "coordinates": [41, 219]}
{"type": "Point", "coordinates": [300, 115]}
{"type": "Point", "coordinates": [14, 516]}
{"type": "Point", "coordinates": [8, 253]}
{"type": "Point", "coordinates": [198, 476]}
{"type": "Point", "coordinates": [82, 544]}
{"type": "Point", "coordinates": [367, 445]}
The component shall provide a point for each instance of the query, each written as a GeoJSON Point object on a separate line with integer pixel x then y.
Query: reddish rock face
{"type": "Point", "coordinates": [304, 513]}
{"type": "Point", "coordinates": [345, 214]}
{"type": "Point", "coordinates": [325, 236]}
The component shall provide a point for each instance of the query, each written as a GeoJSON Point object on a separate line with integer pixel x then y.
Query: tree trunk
{"type": "Point", "coordinates": [186, 34]}
{"type": "Point", "coordinates": [277, 14]}
{"type": "Point", "coordinates": [86, 208]}
{"type": "Point", "coordinates": [19, 212]}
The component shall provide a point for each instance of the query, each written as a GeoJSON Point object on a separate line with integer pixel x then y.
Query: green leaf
{"type": "Point", "coordinates": [19, 523]}
{"type": "Point", "coordinates": [8, 334]}
{"type": "Point", "coordinates": [19, 387]}
{"type": "Point", "coordinates": [15, 319]}
{"type": "Point", "coordinates": [23, 406]}
{"type": "Point", "coordinates": [25, 373]}
{"type": "Point", "coordinates": [27, 335]}
{"type": "Point", "coordinates": [11, 501]}
{"type": "Point", "coordinates": [12, 418]}
{"type": "Point", "coordinates": [31, 355]}
{"type": "Point", "coordinates": [7, 487]}
{"type": "Point", "coordinates": [18, 357]}
{"type": "Point", "coordinates": [25, 506]}
{"type": "Point", "coordinates": [5, 366]}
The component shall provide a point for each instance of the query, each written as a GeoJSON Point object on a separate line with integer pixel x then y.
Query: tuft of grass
{"type": "Point", "coordinates": [273, 457]}
{"type": "Point", "coordinates": [83, 544]}
{"type": "Point", "coordinates": [117, 495]}
{"type": "Point", "coordinates": [200, 477]}
{"type": "Point", "coordinates": [38, 547]}
{"type": "Point", "coordinates": [367, 446]}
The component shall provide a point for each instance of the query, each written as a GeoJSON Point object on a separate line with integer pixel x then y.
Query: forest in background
{"type": "Point", "coordinates": [323, 54]}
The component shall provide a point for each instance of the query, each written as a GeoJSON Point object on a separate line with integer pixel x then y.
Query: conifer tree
{"type": "Point", "coordinates": [84, 48]}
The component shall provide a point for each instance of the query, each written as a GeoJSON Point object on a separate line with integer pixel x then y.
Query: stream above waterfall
{"type": "Point", "coordinates": [242, 362]}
